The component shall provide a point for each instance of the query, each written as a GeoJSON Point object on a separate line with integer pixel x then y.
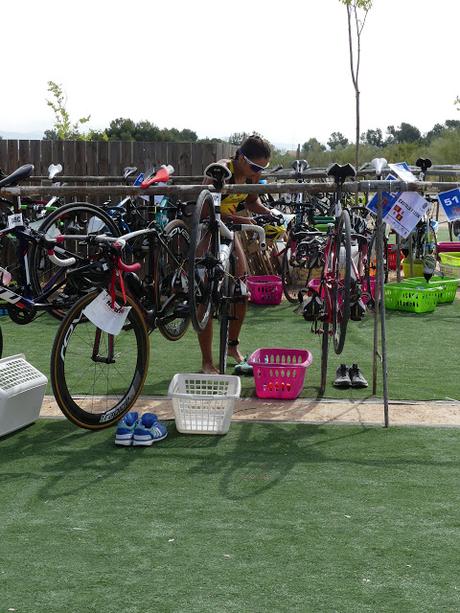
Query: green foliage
{"type": "Point", "coordinates": [336, 140]}
{"type": "Point", "coordinates": [237, 138]}
{"type": "Point", "coordinates": [365, 5]}
{"type": "Point", "coordinates": [373, 138]}
{"type": "Point", "coordinates": [405, 133]}
{"type": "Point", "coordinates": [63, 128]}
{"type": "Point", "coordinates": [145, 131]}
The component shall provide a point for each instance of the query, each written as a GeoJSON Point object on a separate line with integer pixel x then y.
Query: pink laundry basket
{"type": "Point", "coordinates": [279, 373]}
{"type": "Point", "coordinates": [265, 289]}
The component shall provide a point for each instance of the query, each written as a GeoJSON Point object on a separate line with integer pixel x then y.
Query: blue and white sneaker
{"type": "Point", "coordinates": [125, 429]}
{"type": "Point", "coordinates": [149, 430]}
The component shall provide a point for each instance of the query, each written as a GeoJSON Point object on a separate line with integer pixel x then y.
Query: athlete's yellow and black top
{"type": "Point", "coordinates": [232, 203]}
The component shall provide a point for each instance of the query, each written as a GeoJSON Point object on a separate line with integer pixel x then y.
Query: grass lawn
{"type": "Point", "coordinates": [421, 350]}
{"type": "Point", "coordinates": [271, 517]}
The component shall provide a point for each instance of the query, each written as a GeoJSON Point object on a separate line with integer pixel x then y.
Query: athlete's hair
{"type": "Point", "coordinates": [255, 147]}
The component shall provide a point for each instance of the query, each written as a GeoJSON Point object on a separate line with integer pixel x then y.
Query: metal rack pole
{"type": "Point", "coordinates": [380, 300]}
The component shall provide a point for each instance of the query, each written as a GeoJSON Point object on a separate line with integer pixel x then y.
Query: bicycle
{"type": "Point", "coordinates": [213, 288]}
{"type": "Point", "coordinates": [99, 363]}
{"type": "Point", "coordinates": [328, 305]}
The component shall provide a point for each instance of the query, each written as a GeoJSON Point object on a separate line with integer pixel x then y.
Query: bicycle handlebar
{"type": "Point", "coordinates": [249, 227]}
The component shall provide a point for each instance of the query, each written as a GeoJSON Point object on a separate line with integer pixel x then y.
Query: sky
{"type": "Point", "coordinates": [277, 68]}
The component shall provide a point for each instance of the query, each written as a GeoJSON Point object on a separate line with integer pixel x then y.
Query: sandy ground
{"type": "Point", "coordinates": [305, 410]}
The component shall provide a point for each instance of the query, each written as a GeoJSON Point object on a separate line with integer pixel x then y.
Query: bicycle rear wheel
{"type": "Point", "coordinates": [97, 377]}
{"type": "Point", "coordinates": [226, 313]}
{"type": "Point", "coordinates": [341, 266]}
{"type": "Point", "coordinates": [171, 281]}
{"type": "Point", "coordinates": [203, 259]}
{"type": "Point", "coordinates": [73, 218]}
{"type": "Point", "coordinates": [293, 278]}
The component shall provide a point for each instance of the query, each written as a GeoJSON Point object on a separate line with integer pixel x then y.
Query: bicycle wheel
{"type": "Point", "coordinates": [171, 281]}
{"type": "Point", "coordinates": [341, 267]}
{"type": "Point", "coordinates": [74, 218]}
{"type": "Point", "coordinates": [226, 313]}
{"type": "Point", "coordinates": [97, 377]}
{"type": "Point", "coordinates": [294, 278]}
{"type": "Point", "coordinates": [324, 357]}
{"type": "Point", "coordinates": [203, 260]}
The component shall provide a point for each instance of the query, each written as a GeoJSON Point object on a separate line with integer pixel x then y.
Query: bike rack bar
{"type": "Point", "coordinates": [193, 190]}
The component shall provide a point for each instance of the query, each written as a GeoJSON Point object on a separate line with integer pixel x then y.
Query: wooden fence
{"type": "Point", "coordinates": [109, 158]}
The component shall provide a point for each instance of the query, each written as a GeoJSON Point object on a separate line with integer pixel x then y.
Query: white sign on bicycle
{"type": "Point", "coordinates": [101, 313]}
{"type": "Point", "coordinates": [15, 220]}
{"type": "Point", "coordinates": [406, 212]}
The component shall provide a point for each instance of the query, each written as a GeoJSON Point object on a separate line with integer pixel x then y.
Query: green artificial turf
{"type": "Point", "coordinates": [271, 517]}
{"type": "Point", "coordinates": [422, 350]}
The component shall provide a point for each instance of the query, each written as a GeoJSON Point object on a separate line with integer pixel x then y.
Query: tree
{"type": "Point", "coordinates": [312, 145]}
{"type": "Point", "coordinates": [237, 138]}
{"type": "Point", "coordinates": [63, 128]}
{"type": "Point", "coordinates": [457, 103]}
{"type": "Point", "coordinates": [337, 140]}
{"type": "Point", "coordinates": [452, 124]}
{"type": "Point", "coordinates": [357, 11]}
{"type": "Point", "coordinates": [373, 138]}
{"type": "Point", "coordinates": [405, 133]}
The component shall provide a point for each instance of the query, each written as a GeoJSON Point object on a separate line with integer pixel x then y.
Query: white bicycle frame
{"type": "Point", "coordinates": [224, 249]}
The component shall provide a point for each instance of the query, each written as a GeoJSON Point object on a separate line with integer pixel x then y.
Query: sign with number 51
{"type": "Point", "coordinates": [451, 203]}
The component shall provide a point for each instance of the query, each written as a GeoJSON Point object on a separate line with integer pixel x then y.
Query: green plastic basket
{"type": "Point", "coordinates": [450, 264]}
{"type": "Point", "coordinates": [403, 297]}
{"type": "Point", "coordinates": [446, 287]}
{"type": "Point", "coordinates": [417, 268]}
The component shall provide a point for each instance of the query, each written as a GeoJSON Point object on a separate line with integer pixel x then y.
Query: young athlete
{"type": "Point", "coordinates": [251, 158]}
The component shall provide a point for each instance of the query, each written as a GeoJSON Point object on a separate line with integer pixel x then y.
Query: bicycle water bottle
{"type": "Point", "coordinates": [161, 202]}
{"type": "Point", "coordinates": [224, 253]}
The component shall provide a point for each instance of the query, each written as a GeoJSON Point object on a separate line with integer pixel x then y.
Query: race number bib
{"type": "Point", "coordinates": [101, 313]}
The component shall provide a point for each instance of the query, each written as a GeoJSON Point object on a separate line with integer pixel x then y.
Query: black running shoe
{"type": "Point", "coordinates": [342, 377]}
{"type": "Point", "coordinates": [356, 377]}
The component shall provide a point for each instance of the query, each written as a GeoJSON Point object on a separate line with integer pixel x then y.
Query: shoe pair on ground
{"type": "Point", "coordinates": [243, 368]}
{"type": "Point", "coordinates": [349, 377]}
{"type": "Point", "coordinates": [141, 432]}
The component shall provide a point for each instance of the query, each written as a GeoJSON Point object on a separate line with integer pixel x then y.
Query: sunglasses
{"type": "Point", "coordinates": [255, 167]}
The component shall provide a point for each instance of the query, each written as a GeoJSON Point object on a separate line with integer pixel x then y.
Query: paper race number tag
{"type": "Point", "coordinates": [450, 201]}
{"type": "Point", "coordinates": [102, 315]}
{"type": "Point", "coordinates": [406, 212]}
{"type": "Point", "coordinates": [217, 198]}
{"type": "Point", "coordinates": [15, 220]}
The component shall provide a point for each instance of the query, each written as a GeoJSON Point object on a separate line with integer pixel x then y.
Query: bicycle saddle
{"type": "Point", "coordinates": [128, 171]}
{"type": "Point", "coordinates": [423, 164]}
{"type": "Point", "coordinates": [161, 176]}
{"type": "Point", "coordinates": [300, 166]}
{"type": "Point", "coordinates": [378, 164]}
{"type": "Point", "coordinates": [341, 172]}
{"type": "Point", "coordinates": [53, 170]}
{"type": "Point", "coordinates": [20, 174]}
{"type": "Point", "coordinates": [219, 173]}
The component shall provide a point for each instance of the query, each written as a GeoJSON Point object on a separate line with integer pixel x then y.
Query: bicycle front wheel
{"type": "Point", "coordinates": [203, 259]}
{"type": "Point", "coordinates": [341, 266]}
{"type": "Point", "coordinates": [97, 377]}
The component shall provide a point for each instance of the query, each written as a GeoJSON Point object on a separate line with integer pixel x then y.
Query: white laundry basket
{"type": "Point", "coordinates": [22, 388]}
{"type": "Point", "coordinates": [203, 404]}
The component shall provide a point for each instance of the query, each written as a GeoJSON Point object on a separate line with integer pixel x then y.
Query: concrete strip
{"type": "Point", "coordinates": [307, 410]}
